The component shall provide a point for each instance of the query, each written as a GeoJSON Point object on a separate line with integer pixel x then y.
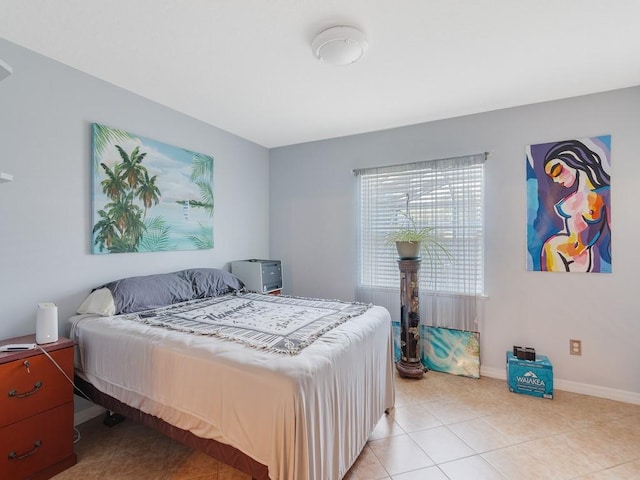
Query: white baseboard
{"type": "Point", "coordinates": [87, 414]}
{"type": "Point", "coordinates": [574, 387]}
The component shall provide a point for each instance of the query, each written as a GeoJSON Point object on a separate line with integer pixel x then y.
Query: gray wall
{"type": "Point", "coordinates": [46, 111]}
{"type": "Point", "coordinates": [313, 232]}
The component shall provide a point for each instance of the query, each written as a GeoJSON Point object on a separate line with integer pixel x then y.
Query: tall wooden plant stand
{"type": "Point", "coordinates": [409, 365]}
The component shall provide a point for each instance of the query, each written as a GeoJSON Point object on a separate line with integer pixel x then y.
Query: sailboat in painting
{"type": "Point", "coordinates": [185, 210]}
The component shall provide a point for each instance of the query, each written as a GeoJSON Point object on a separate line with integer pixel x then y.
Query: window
{"type": "Point", "coordinates": [446, 194]}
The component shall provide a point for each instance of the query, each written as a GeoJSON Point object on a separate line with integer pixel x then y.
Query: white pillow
{"type": "Point", "coordinates": [100, 302]}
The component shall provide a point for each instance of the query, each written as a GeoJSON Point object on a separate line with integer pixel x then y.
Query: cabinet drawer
{"type": "Point", "coordinates": [27, 391]}
{"type": "Point", "coordinates": [37, 443]}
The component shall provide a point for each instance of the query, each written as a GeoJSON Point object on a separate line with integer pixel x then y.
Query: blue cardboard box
{"type": "Point", "coordinates": [530, 377]}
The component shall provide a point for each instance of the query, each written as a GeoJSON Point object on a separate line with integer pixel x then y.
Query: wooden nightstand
{"type": "Point", "coordinates": [36, 410]}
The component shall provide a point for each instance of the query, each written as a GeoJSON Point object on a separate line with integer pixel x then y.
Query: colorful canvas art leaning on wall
{"type": "Point", "coordinates": [569, 206]}
{"type": "Point", "coordinates": [445, 350]}
{"type": "Point", "coordinates": [149, 196]}
{"type": "Point", "coordinates": [453, 351]}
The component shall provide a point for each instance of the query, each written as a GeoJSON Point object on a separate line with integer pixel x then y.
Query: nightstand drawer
{"type": "Point", "coordinates": [28, 389]}
{"type": "Point", "coordinates": [42, 442]}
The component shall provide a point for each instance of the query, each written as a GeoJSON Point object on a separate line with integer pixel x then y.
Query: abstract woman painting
{"type": "Point", "coordinates": [569, 206]}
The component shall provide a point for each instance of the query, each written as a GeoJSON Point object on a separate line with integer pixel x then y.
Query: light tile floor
{"type": "Point", "coordinates": [443, 427]}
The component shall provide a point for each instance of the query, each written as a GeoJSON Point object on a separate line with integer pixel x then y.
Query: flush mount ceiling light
{"type": "Point", "coordinates": [339, 45]}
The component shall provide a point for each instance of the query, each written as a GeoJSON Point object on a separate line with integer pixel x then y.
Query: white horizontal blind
{"type": "Point", "coordinates": [446, 194]}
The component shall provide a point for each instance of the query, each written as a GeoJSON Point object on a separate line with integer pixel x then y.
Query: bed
{"type": "Point", "coordinates": [276, 399]}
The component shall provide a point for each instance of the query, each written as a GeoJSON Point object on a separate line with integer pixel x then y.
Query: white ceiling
{"type": "Point", "coordinates": [246, 65]}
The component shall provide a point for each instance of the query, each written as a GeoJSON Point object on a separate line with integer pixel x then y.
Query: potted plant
{"type": "Point", "coordinates": [411, 241]}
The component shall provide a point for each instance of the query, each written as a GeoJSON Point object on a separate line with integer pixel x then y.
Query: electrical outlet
{"type": "Point", "coordinates": [575, 347]}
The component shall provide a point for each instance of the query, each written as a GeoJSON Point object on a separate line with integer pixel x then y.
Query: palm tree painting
{"type": "Point", "coordinates": [149, 196]}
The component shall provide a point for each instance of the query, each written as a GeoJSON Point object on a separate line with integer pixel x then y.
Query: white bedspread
{"type": "Point", "coordinates": [306, 417]}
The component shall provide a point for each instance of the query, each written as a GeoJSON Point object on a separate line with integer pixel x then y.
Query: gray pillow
{"type": "Point", "coordinates": [134, 294]}
{"type": "Point", "coordinates": [211, 282]}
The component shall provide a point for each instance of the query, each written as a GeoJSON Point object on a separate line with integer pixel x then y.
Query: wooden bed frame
{"type": "Point", "coordinates": [220, 451]}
